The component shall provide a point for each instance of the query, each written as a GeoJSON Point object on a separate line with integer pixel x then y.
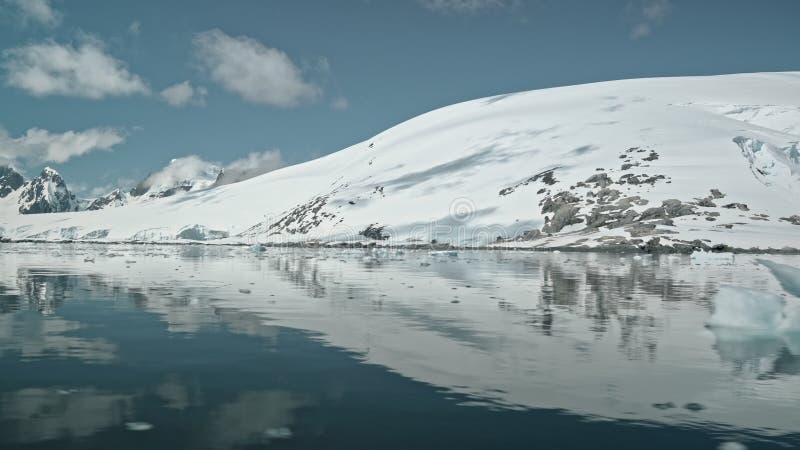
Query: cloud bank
{"type": "Point", "coordinates": [251, 166]}
{"type": "Point", "coordinates": [38, 146]}
{"type": "Point", "coordinates": [85, 71]}
{"type": "Point", "coordinates": [201, 173]}
{"type": "Point", "coordinates": [257, 73]}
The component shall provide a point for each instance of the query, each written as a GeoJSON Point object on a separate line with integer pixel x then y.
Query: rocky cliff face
{"type": "Point", "coordinates": [10, 181]}
{"type": "Point", "coordinates": [47, 193]}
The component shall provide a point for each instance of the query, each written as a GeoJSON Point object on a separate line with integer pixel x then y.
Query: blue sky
{"type": "Point", "coordinates": [107, 91]}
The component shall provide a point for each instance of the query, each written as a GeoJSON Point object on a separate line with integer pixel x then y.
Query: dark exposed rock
{"type": "Point", "coordinates": [657, 212]}
{"type": "Point", "coordinates": [640, 179]}
{"type": "Point", "coordinates": [651, 157]}
{"type": "Point", "coordinates": [627, 202]}
{"type": "Point", "coordinates": [717, 194]}
{"type": "Point", "coordinates": [530, 235]}
{"type": "Point", "coordinates": [96, 234]}
{"type": "Point", "coordinates": [600, 180]}
{"type": "Point", "coordinates": [626, 218]}
{"type": "Point", "coordinates": [545, 177]}
{"type": "Point", "coordinates": [552, 204]}
{"type": "Point", "coordinates": [374, 232]}
{"type": "Point", "coordinates": [676, 208]}
{"type": "Point", "coordinates": [115, 198]}
{"type": "Point", "coordinates": [794, 220]}
{"type": "Point", "coordinates": [299, 220]}
{"type": "Point", "coordinates": [10, 181]}
{"type": "Point", "coordinates": [607, 195]}
{"type": "Point", "coordinates": [706, 203]}
{"type": "Point", "coordinates": [563, 216]}
{"type": "Point", "coordinates": [740, 206]}
{"type": "Point", "coordinates": [639, 229]}
{"type": "Point", "coordinates": [201, 233]}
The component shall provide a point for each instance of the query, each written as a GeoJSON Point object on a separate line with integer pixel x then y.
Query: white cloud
{"type": "Point", "coordinates": [647, 14]}
{"type": "Point", "coordinates": [196, 169]}
{"type": "Point", "coordinates": [178, 170]}
{"type": "Point", "coordinates": [340, 103]}
{"type": "Point", "coordinates": [466, 6]}
{"type": "Point", "coordinates": [135, 28]}
{"type": "Point", "coordinates": [85, 71]}
{"type": "Point", "coordinates": [257, 73]}
{"type": "Point", "coordinates": [182, 94]}
{"type": "Point", "coordinates": [38, 145]}
{"type": "Point", "coordinates": [252, 165]}
{"type": "Point", "coordinates": [36, 11]}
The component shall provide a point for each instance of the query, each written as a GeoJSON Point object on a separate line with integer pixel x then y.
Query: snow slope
{"type": "Point", "coordinates": [585, 165]}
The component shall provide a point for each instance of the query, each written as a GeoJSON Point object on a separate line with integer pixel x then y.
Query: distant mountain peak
{"type": "Point", "coordinates": [113, 199]}
{"type": "Point", "coordinates": [47, 193]}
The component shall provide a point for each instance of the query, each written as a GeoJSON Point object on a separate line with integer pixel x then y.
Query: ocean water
{"type": "Point", "coordinates": [173, 347]}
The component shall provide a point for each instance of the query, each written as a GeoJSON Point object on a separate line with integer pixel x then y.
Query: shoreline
{"type": "Point", "coordinates": [655, 249]}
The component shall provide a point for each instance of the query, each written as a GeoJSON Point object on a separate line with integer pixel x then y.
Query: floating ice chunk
{"type": "Point", "coordinates": [278, 433]}
{"type": "Point", "coordinates": [138, 426]}
{"type": "Point", "coordinates": [748, 309]}
{"type": "Point", "coordinates": [258, 248]}
{"type": "Point", "coordinates": [444, 253]}
{"type": "Point", "coordinates": [732, 445]}
{"type": "Point", "coordinates": [787, 276]}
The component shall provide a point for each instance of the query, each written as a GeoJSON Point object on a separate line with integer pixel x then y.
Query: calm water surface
{"type": "Point", "coordinates": [190, 347]}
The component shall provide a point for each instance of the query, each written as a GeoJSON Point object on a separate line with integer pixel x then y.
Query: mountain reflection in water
{"type": "Point", "coordinates": [218, 347]}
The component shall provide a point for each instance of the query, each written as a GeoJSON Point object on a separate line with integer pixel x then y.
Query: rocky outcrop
{"type": "Point", "coordinates": [201, 233]}
{"type": "Point", "coordinates": [47, 193]}
{"type": "Point", "coordinates": [374, 232]}
{"type": "Point", "coordinates": [794, 220]}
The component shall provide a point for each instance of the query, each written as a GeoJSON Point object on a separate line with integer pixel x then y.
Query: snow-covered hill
{"type": "Point", "coordinates": [692, 161]}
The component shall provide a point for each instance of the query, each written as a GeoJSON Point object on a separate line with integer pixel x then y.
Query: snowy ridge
{"type": "Point", "coordinates": [676, 162]}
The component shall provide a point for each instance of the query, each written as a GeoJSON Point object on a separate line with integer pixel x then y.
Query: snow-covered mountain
{"type": "Point", "coordinates": [685, 162]}
{"type": "Point", "coordinates": [46, 193]}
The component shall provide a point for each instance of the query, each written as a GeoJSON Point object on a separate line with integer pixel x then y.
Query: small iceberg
{"type": "Point", "coordinates": [138, 426]}
{"type": "Point", "coordinates": [444, 253]}
{"type": "Point", "coordinates": [278, 433]}
{"type": "Point", "coordinates": [737, 307]}
{"type": "Point", "coordinates": [756, 310]}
